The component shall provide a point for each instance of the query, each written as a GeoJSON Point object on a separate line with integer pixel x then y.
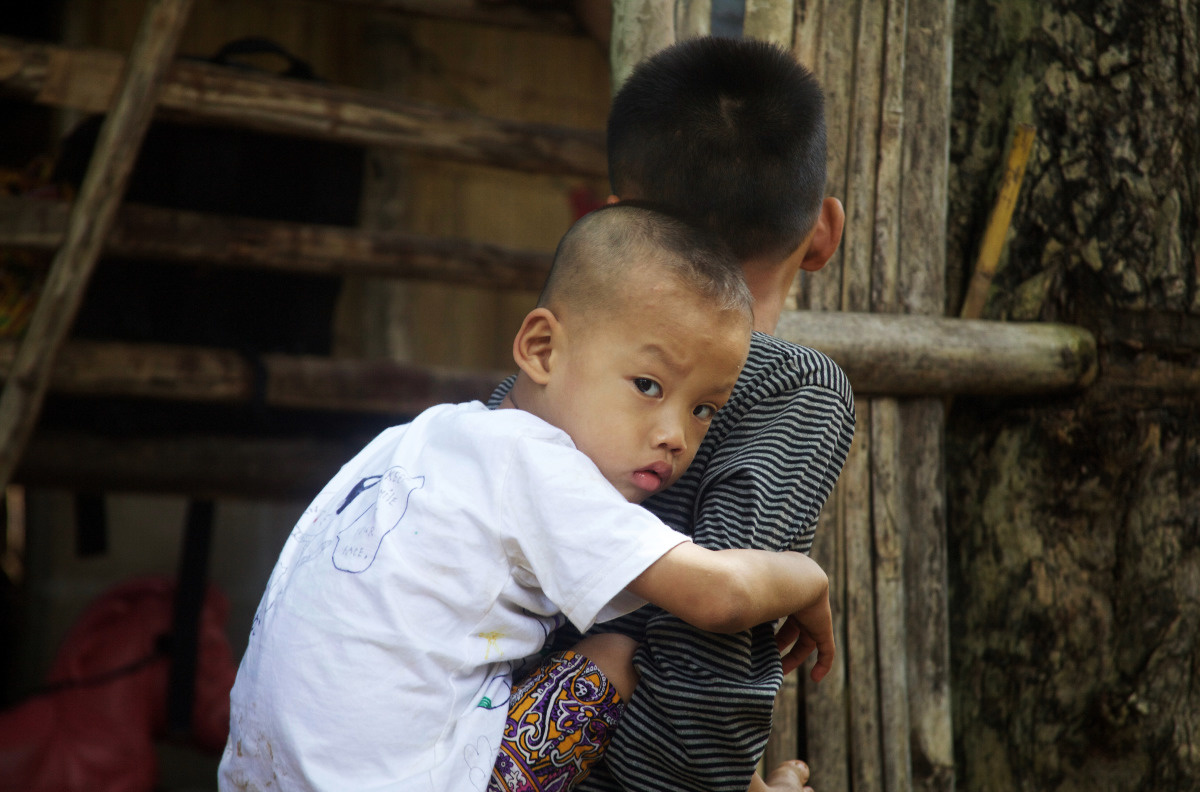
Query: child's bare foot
{"type": "Point", "coordinates": [791, 776]}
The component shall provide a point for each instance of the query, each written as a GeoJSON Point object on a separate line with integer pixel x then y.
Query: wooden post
{"type": "Point", "coordinates": [91, 217]}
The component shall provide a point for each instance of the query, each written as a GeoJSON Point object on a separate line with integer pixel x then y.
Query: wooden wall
{"type": "Point", "coordinates": [498, 72]}
{"type": "Point", "coordinates": [505, 73]}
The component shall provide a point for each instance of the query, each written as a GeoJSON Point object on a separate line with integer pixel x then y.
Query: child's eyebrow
{"type": "Point", "coordinates": [664, 357]}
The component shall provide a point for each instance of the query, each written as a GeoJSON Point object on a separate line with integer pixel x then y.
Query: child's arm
{"type": "Point", "coordinates": [728, 591]}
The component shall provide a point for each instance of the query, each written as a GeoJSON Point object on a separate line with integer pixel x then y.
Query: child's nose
{"type": "Point", "coordinates": [670, 434]}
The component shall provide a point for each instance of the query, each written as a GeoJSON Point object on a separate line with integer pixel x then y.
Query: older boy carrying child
{"type": "Point", "coordinates": [731, 134]}
{"type": "Point", "coordinates": [382, 653]}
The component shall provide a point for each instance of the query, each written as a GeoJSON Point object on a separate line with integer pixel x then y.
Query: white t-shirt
{"type": "Point", "coordinates": [446, 551]}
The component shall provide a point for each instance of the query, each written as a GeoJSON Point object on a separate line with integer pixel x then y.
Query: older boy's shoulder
{"type": "Point", "coordinates": [784, 364]}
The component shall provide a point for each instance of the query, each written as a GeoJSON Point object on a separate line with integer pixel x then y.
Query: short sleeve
{"type": "Point", "coordinates": [570, 533]}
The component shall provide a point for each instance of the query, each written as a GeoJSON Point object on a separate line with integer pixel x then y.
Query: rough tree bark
{"type": "Point", "coordinates": [1075, 523]}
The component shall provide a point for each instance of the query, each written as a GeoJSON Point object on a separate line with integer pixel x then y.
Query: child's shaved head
{"type": "Point", "coordinates": [595, 256]}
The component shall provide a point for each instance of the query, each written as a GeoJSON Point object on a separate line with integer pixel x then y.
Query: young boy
{"type": "Point", "coordinates": [731, 133]}
{"type": "Point", "coordinates": [382, 653]}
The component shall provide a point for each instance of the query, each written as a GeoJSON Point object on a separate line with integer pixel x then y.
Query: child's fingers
{"type": "Point", "coordinates": [824, 664]}
{"type": "Point", "coordinates": [799, 652]}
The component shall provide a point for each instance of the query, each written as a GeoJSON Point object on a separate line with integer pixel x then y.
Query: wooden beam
{"type": "Point", "coordinates": [145, 232]}
{"type": "Point", "coordinates": [219, 376]}
{"type": "Point", "coordinates": [85, 79]}
{"type": "Point", "coordinates": [91, 217]}
{"type": "Point", "coordinates": [913, 355]}
{"type": "Point", "coordinates": [547, 19]}
{"type": "Point", "coordinates": [198, 466]}
{"type": "Point", "coordinates": [881, 353]}
{"type": "Point", "coordinates": [296, 468]}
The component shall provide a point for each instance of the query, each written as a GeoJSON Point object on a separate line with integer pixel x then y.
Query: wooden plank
{"type": "Point", "coordinates": [545, 17]}
{"type": "Point", "coordinates": [219, 376]}
{"type": "Point", "coordinates": [770, 20]}
{"type": "Point", "coordinates": [862, 147]}
{"type": "Point", "coordinates": [198, 466]}
{"type": "Point", "coordinates": [887, 526]}
{"type": "Point", "coordinates": [824, 42]}
{"type": "Point", "coordinates": [922, 288]}
{"type": "Point", "coordinates": [91, 217]}
{"type": "Point", "coordinates": [640, 28]}
{"type": "Point", "coordinates": [826, 737]}
{"type": "Point", "coordinates": [862, 661]}
{"type": "Point", "coordinates": [784, 741]}
{"type": "Point", "coordinates": [887, 458]}
{"type": "Point", "coordinates": [199, 92]}
{"type": "Point", "coordinates": [144, 232]}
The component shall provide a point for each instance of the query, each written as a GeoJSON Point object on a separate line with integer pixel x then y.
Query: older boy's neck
{"type": "Point", "coordinates": [769, 285]}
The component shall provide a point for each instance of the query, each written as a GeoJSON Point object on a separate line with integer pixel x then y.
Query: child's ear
{"type": "Point", "coordinates": [826, 235]}
{"type": "Point", "coordinates": [534, 342]}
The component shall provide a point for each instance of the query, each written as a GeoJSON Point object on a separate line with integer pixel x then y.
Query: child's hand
{"type": "Point", "coordinates": [804, 631]}
{"type": "Point", "coordinates": [788, 777]}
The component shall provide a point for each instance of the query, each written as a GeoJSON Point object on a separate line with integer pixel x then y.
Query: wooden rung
{"type": "Point", "coordinates": [219, 376]}
{"type": "Point", "coordinates": [167, 235]}
{"type": "Point", "coordinates": [912, 355]}
{"type": "Point", "coordinates": [85, 79]}
{"type": "Point", "coordinates": [547, 19]}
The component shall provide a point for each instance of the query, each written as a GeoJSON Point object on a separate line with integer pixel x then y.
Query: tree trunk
{"type": "Point", "coordinates": [1075, 525]}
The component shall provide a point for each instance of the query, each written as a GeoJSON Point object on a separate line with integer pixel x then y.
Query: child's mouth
{"type": "Point", "coordinates": [652, 478]}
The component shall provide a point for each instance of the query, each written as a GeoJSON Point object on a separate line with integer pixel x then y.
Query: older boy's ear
{"type": "Point", "coordinates": [534, 342]}
{"type": "Point", "coordinates": [826, 235]}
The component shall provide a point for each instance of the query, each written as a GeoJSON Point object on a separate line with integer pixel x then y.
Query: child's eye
{"type": "Point", "coordinates": [647, 386]}
{"type": "Point", "coordinates": [704, 412]}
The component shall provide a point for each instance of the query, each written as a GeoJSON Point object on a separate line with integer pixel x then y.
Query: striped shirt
{"type": "Point", "coordinates": [701, 714]}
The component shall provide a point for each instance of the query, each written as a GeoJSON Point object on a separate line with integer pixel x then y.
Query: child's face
{"type": "Point", "coordinates": [636, 388]}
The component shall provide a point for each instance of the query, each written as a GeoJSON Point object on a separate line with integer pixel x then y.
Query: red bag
{"type": "Point", "coordinates": [95, 724]}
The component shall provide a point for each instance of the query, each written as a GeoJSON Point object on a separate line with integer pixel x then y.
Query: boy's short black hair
{"type": "Point", "coordinates": [598, 250]}
{"type": "Point", "coordinates": [731, 133]}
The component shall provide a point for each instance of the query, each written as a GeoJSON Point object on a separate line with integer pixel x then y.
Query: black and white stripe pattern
{"type": "Point", "coordinates": [701, 714]}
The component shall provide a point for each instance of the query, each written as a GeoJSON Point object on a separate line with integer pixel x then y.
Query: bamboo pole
{"type": "Point", "coordinates": [85, 79]}
{"type": "Point", "coordinates": [998, 222]}
{"type": "Point", "coordinates": [91, 217]}
{"type": "Point", "coordinates": [144, 232]}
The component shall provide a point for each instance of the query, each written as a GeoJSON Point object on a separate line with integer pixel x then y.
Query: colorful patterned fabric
{"type": "Point", "coordinates": [559, 723]}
